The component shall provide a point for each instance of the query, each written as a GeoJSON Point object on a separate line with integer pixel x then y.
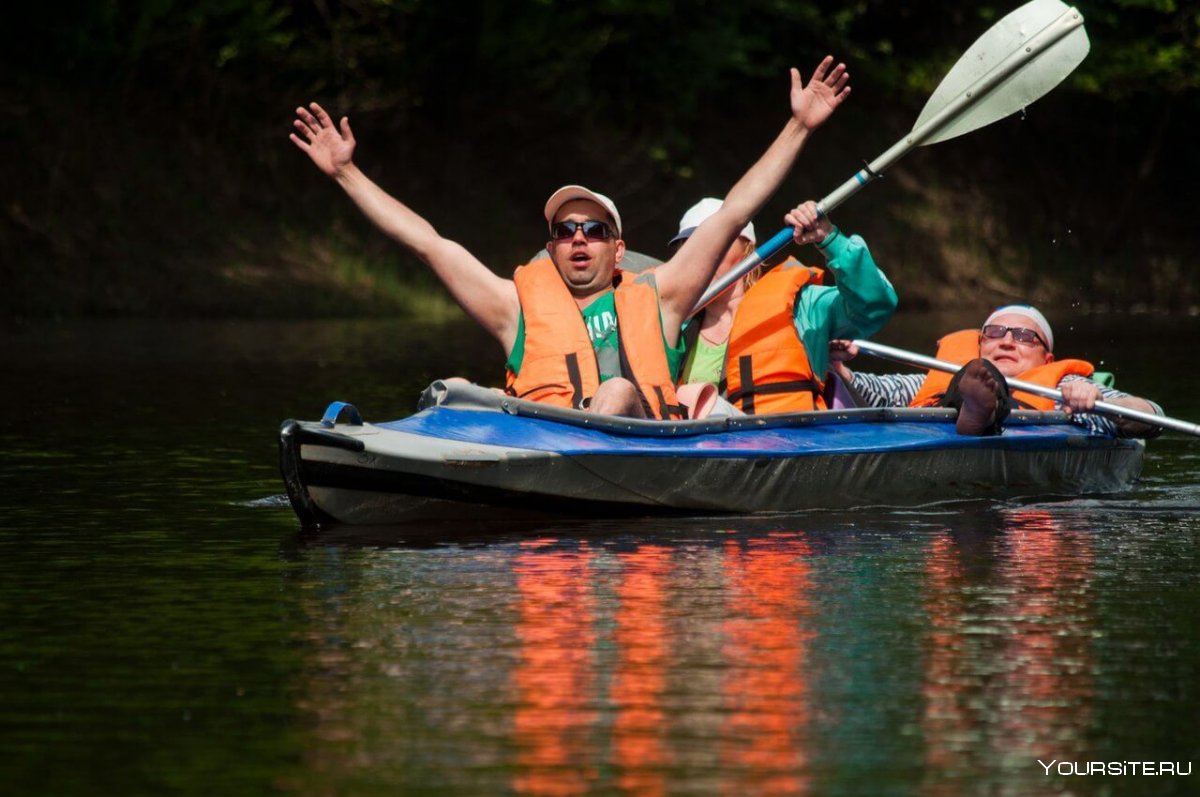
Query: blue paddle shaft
{"type": "Point", "coordinates": [767, 248]}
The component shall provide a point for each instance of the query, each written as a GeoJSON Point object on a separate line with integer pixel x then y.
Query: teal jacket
{"type": "Point", "coordinates": [858, 306]}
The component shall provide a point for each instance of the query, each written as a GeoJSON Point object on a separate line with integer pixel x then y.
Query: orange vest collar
{"type": "Point", "coordinates": [963, 346]}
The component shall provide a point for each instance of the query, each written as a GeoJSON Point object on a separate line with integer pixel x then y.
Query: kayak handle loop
{"type": "Point", "coordinates": [335, 411]}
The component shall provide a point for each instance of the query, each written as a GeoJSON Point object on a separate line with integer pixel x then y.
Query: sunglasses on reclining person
{"type": "Point", "coordinates": [592, 230]}
{"type": "Point", "coordinates": [1020, 334]}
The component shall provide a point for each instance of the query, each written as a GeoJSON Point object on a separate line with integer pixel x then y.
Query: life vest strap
{"type": "Point", "coordinates": [746, 394]}
{"type": "Point", "coordinates": [576, 377]}
{"type": "Point", "coordinates": [669, 410]}
{"type": "Point", "coordinates": [795, 386]}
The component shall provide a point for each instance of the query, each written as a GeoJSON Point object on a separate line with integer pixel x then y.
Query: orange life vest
{"type": "Point", "coordinates": [963, 346]}
{"type": "Point", "coordinates": [766, 367]}
{"type": "Point", "coordinates": [559, 365]}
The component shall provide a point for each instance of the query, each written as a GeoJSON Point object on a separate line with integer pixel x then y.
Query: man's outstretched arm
{"type": "Point", "coordinates": [683, 278]}
{"type": "Point", "coordinates": [487, 298]}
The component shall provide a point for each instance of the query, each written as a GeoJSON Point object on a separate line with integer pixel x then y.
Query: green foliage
{"type": "Point", "coordinates": [603, 57]}
{"type": "Point", "coordinates": [1141, 47]}
{"type": "Point", "coordinates": [654, 61]}
{"type": "Point", "coordinates": [153, 127]}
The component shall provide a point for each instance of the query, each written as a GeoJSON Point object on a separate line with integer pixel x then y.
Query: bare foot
{"type": "Point", "coordinates": [979, 391]}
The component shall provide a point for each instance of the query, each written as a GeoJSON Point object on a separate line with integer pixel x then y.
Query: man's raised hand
{"type": "Point", "coordinates": [816, 102]}
{"type": "Point", "coordinates": [331, 149]}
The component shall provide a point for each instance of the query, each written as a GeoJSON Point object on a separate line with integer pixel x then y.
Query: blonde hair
{"type": "Point", "coordinates": [753, 275]}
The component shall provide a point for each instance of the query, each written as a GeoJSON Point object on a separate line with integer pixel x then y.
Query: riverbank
{"type": "Point", "coordinates": [152, 214]}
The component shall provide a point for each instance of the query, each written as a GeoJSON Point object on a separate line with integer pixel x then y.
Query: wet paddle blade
{"type": "Point", "coordinates": [1016, 61]}
{"type": "Point", "coordinates": [1048, 24]}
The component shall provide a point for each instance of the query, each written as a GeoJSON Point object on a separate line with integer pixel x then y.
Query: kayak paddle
{"type": "Point", "coordinates": [1015, 62]}
{"type": "Point", "coordinates": [1103, 407]}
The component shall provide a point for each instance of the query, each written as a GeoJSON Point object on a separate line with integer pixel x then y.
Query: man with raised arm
{"type": "Point", "coordinates": [578, 333]}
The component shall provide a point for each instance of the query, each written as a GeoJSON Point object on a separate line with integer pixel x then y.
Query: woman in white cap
{"type": "Point", "coordinates": [1015, 340]}
{"type": "Point", "coordinates": [764, 342]}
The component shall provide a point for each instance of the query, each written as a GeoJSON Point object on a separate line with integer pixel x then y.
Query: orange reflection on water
{"type": "Point", "coordinates": [1009, 661]}
{"type": "Point", "coordinates": [765, 689]}
{"type": "Point", "coordinates": [639, 679]}
{"type": "Point", "coordinates": [1050, 571]}
{"type": "Point", "coordinates": [555, 676]}
{"type": "Point", "coordinates": [946, 722]}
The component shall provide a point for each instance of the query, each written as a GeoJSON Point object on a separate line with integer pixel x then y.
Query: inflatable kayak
{"type": "Point", "coordinates": [471, 452]}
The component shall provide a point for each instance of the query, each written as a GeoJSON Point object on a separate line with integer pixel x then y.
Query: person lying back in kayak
{"type": "Point", "coordinates": [558, 318]}
{"type": "Point", "coordinates": [765, 342]}
{"type": "Point", "coordinates": [1016, 341]}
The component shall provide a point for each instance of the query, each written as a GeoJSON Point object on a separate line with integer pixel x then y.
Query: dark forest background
{"type": "Point", "coordinates": [147, 170]}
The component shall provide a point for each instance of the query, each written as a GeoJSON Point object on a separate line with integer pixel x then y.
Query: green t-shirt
{"type": "Point", "coordinates": [705, 362]}
{"type": "Point", "coordinates": [600, 318]}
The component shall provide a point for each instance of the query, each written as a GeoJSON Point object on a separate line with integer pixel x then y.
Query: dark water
{"type": "Point", "coordinates": [168, 629]}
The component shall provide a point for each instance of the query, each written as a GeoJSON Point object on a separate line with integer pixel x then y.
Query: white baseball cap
{"type": "Point", "coordinates": [568, 192]}
{"type": "Point", "coordinates": [1026, 311]}
{"type": "Point", "coordinates": [700, 211]}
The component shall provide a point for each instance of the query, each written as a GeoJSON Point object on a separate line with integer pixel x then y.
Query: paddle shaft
{"type": "Point", "coordinates": [1050, 35]}
{"type": "Point", "coordinates": [1104, 407]}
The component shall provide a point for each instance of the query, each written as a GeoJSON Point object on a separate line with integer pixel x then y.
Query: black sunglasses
{"type": "Point", "coordinates": [592, 230]}
{"type": "Point", "coordinates": [1020, 334]}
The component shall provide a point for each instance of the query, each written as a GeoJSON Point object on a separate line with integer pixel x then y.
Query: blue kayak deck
{"type": "Point", "coordinates": [839, 432]}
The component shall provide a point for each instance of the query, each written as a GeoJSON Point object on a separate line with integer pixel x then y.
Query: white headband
{"type": "Point", "coordinates": [1030, 312]}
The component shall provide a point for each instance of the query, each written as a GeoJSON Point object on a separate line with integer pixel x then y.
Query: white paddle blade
{"type": "Point", "coordinates": [1018, 60]}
